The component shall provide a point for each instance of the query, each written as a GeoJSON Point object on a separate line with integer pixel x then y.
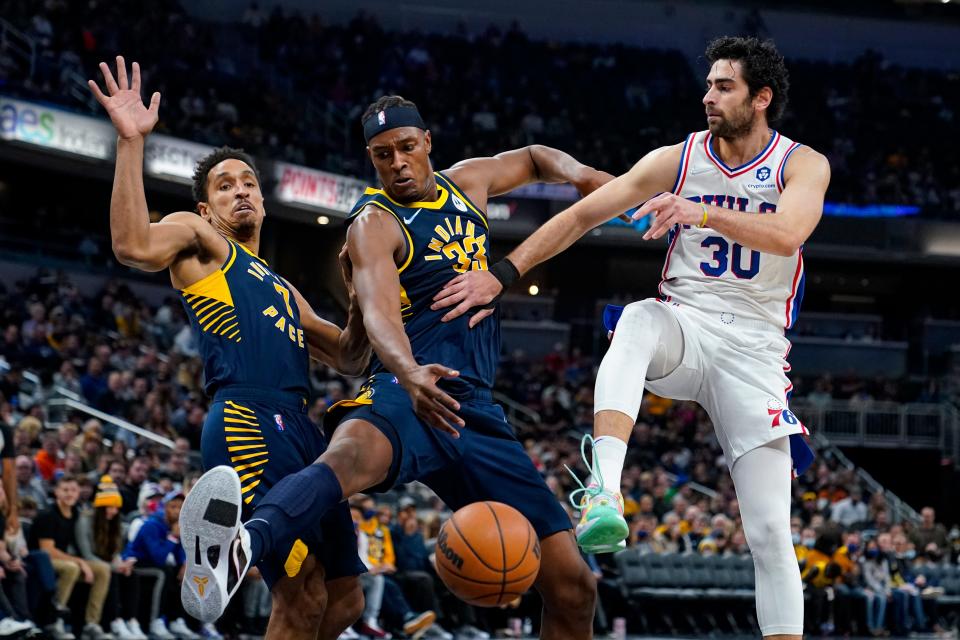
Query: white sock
{"type": "Point", "coordinates": [608, 454]}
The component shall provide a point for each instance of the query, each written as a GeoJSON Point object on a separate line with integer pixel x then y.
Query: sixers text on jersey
{"type": "Point", "coordinates": [749, 283]}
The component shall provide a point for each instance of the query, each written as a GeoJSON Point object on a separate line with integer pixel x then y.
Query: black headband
{"type": "Point", "coordinates": [391, 118]}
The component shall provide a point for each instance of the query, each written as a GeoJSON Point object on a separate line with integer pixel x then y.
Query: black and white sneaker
{"type": "Point", "coordinates": [216, 544]}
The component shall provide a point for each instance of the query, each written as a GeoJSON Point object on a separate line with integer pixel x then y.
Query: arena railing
{"type": "Point", "coordinates": [899, 510]}
{"type": "Point", "coordinates": [18, 44]}
{"type": "Point", "coordinates": [122, 429]}
{"type": "Point", "coordinates": [75, 86]}
{"type": "Point", "coordinates": [914, 425]}
{"type": "Point", "coordinates": [517, 412]}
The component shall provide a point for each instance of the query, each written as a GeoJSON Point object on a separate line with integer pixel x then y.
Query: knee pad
{"type": "Point", "coordinates": [640, 312]}
{"type": "Point", "coordinates": [768, 538]}
{"type": "Point", "coordinates": [648, 342]}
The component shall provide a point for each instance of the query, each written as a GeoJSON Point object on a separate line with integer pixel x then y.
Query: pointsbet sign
{"type": "Point", "coordinates": [312, 188]}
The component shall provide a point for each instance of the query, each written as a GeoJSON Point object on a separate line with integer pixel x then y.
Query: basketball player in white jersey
{"type": "Point", "coordinates": [736, 203]}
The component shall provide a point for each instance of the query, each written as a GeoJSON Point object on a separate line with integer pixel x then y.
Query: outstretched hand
{"type": "Point", "coordinates": [130, 117]}
{"type": "Point", "coordinates": [668, 210]}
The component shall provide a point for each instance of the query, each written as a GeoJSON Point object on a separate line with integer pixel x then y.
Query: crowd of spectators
{"type": "Point", "coordinates": [119, 494]}
{"type": "Point", "coordinates": [291, 86]}
{"type": "Point", "coordinates": [862, 392]}
{"type": "Point", "coordinates": [92, 536]}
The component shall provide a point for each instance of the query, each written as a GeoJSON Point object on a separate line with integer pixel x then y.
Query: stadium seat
{"type": "Point", "coordinates": [950, 581]}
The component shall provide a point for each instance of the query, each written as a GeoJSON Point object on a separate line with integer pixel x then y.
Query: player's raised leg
{"type": "Point", "coordinates": [647, 342]}
{"type": "Point", "coordinates": [762, 478]}
{"type": "Point", "coordinates": [359, 456]}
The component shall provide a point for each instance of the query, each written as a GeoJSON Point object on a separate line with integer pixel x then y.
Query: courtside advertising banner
{"type": "Point", "coordinates": [310, 188]}
{"type": "Point", "coordinates": [167, 157]}
{"type": "Point", "coordinates": [58, 130]}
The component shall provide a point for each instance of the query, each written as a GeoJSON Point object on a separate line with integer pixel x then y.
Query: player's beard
{"type": "Point", "coordinates": [737, 125]}
{"type": "Point", "coordinates": [245, 229]}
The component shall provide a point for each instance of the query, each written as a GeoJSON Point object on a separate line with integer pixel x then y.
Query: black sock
{"type": "Point", "coordinates": [291, 507]}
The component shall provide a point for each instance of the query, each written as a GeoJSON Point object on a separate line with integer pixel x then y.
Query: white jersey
{"type": "Point", "coordinates": [708, 271]}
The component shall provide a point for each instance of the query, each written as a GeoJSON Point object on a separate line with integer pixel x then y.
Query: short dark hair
{"type": "Point", "coordinates": [64, 478]}
{"type": "Point", "coordinates": [762, 65]}
{"type": "Point", "coordinates": [211, 160]}
{"type": "Point", "coordinates": [385, 102]}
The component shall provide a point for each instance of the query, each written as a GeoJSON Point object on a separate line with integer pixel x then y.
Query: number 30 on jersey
{"type": "Point", "coordinates": [724, 259]}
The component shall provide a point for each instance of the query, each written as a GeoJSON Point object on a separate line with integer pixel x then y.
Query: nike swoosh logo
{"type": "Point", "coordinates": [412, 218]}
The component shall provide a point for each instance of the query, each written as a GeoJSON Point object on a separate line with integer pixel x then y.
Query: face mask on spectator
{"type": "Point", "coordinates": [641, 535]}
{"type": "Point", "coordinates": [809, 542]}
{"type": "Point", "coordinates": [369, 513]}
{"type": "Point", "coordinates": [873, 553]}
{"type": "Point", "coordinates": [852, 549]}
{"type": "Point", "coordinates": [796, 538]}
{"type": "Point", "coordinates": [910, 554]}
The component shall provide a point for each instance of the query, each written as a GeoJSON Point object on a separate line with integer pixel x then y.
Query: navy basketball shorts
{"type": "Point", "coordinates": [266, 436]}
{"type": "Point", "coordinates": [487, 462]}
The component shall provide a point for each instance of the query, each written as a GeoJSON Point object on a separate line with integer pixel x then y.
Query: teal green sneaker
{"type": "Point", "coordinates": [602, 527]}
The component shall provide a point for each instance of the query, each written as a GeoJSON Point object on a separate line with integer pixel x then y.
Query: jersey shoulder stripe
{"type": "Point", "coordinates": [455, 191]}
{"type": "Point", "coordinates": [378, 198]}
{"type": "Point", "coordinates": [783, 163]}
{"type": "Point", "coordinates": [685, 154]}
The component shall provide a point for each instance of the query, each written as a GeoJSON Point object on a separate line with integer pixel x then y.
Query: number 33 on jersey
{"type": "Point", "coordinates": [442, 238]}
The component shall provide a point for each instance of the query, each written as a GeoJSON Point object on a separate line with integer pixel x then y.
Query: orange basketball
{"type": "Point", "coordinates": [488, 554]}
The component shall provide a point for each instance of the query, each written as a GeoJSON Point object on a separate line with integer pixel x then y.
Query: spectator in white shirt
{"type": "Point", "coordinates": [851, 509]}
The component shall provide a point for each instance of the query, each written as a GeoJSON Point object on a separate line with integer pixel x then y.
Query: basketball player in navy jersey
{"type": "Point", "coordinates": [737, 201]}
{"type": "Point", "coordinates": [255, 333]}
{"type": "Point", "coordinates": [426, 413]}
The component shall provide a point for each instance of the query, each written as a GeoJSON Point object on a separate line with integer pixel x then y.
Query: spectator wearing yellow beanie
{"type": "Point", "coordinates": [108, 494]}
{"type": "Point", "coordinates": [100, 535]}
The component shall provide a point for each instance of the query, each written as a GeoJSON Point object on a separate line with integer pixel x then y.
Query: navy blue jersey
{"type": "Point", "coordinates": [248, 326]}
{"type": "Point", "coordinates": [443, 238]}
